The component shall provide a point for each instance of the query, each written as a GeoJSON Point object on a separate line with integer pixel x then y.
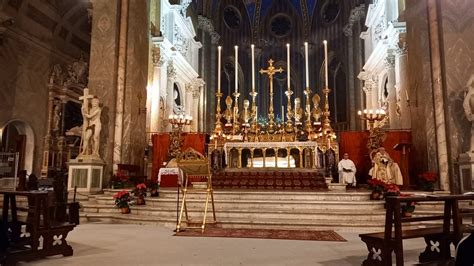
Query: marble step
{"type": "Point", "coordinates": [248, 214]}
{"type": "Point", "coordinates": [262, 204]}
{"type": "Point", "coordinates": [312, 224]}
{"type": "Point", "coordinates": [275, 195]}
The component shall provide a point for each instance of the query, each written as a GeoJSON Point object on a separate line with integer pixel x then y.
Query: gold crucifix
{"type": "Point", "coordinates": [271, 71]}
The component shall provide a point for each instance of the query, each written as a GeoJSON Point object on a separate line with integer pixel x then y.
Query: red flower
{"type": "Point", "coordinates": [141, 186]}
{"type": "Point", "coordinates": [121, 194]}
{"type": "Point", "coordinates": [428, 177]}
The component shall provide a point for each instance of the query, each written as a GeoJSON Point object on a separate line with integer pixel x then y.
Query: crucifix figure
{"type": "Point", "coordinates": [271, 71]}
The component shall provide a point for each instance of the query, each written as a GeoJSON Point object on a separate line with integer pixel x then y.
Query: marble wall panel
{"type": "Point", "coordinates": [134, 124]}
{"type": "Point", "coordinates": [457, 51]}
{"type": "Point", "coordinates": [23, 89]}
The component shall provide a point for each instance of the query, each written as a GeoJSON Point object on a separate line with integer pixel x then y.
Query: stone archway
{"type": "Point", "coordinates": [18, 136]}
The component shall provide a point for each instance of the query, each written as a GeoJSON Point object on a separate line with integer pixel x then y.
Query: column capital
{"type": "Point", "coordinates": [401, 48]}
{"type": "Point", "coordinates": [157, 58]}
{"type": "Point", "coordinates": [389, 61]}
{"type": "Point", "coordinates": [171, 71]}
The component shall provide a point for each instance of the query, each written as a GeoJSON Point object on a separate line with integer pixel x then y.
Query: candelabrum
{"type": "Point", "coordinates": [376, 133]}
{"type": "Point", "coordinates": [177, 124]}
{"type": "Point", "coordinates": [372, 116]}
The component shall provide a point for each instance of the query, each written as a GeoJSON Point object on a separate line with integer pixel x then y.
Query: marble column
{"type": "Point", "coordinates": [440, 119]}
{"type": "Point", "coordinates": [170, 79]}
{"type": "Point", "coordinates": [188, 102]}
{"type": "Point", "coordinates": [103, 71]}
{"type": "Point", "coordinates": [401, 66]}
{"type": "Point", "coordinates": [392, 94]}
{"type": "Point", "coordinates": [155, 90]}
{"type": "Point", "coordinates": [197, 119]}
{"type": "Point", "coordinates": [118, 77]}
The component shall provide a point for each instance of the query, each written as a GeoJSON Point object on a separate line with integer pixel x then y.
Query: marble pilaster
{"type": "Point", "coordinates": [103, 77]}
{"type": "Point", "coordinates": [436, 72]}
{"type": "Point", "coordinates": [403, 100]}
{"type": "Point", "coordinates": [392, 96]}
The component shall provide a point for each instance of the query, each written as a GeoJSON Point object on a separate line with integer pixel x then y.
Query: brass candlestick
{"type": "Point", "coordinates": [289, 112]}
{"type": "Point", "coordinates": [236, 123]}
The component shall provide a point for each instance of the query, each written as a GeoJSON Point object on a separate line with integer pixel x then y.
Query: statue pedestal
{"type": "Point", "coordinates": [86, 174]}
{"type": "Point", "coordinates": [466, 171]}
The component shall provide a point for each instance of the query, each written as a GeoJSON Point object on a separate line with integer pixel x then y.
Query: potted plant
{"type": "Point", "coordinates": [123, 200]}
{"type": "Point", "coordinates": [426, 181]}
{"type": "Point", "coordinates": [408, 208]}
{"type": "Point", "coordinates": [140, 193]}
{"type": "Point", "coordinates": [377, 187]}
{"type": "Point", "coordinates": [391, 190]}
{"type": "Point", "coordinates": [154, 187]}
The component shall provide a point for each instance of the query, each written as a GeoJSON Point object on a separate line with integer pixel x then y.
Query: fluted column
{"type": "Point", "coordinates": [392, 94]}
{"type": "Point", "coordinates": [401, 66]}
{"type": "Point", "coordinates": [189, 105]}
{"type": "Point", "coordinates": [170, 79]}
{"type": "Point", "coordinates": [157, 61]}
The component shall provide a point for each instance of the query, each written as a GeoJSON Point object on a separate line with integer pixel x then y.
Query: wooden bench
{"type": "Point", "coordinates": [38, 236]}
{"type": "Point", "coordinates": [438, 239]}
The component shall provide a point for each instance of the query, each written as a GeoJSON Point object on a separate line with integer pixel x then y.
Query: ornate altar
{"type": "Point", "coordinates": [63, 132]}
{"type": "Point", "coordinates": [303, 139]}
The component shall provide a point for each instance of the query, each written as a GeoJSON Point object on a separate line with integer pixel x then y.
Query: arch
{"type": "Point", "coordinates": [23, 128]}
{"type": "Point", "coordinates": [382, 87]}
{"type": "Point", "coordinates": [178, 99]}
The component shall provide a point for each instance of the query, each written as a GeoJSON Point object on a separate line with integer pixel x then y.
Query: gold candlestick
{"type": "Point", "coordinates": [236, 127]}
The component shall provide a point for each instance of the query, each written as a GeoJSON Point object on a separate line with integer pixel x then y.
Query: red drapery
{"type": "Point", "coordinates": [354, 143]}
{"type": "Point", "coordinates": [161, 143]}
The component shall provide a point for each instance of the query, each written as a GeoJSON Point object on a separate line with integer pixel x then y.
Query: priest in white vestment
{"type": "Point", "coordinates": [347, 171]}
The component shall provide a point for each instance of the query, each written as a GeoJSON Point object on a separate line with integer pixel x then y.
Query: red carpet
{"type": "Point", "coordinates": [328, 235]}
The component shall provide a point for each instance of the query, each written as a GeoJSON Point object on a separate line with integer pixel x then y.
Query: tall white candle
{"type": "Point", "coordinates": [219, 51]}
{"type": "Point", "coordinates": [326, 63]}
{"type": "Point", "coordinates": [288, 76]}
{"type": "Point", "coordinates": [236, 68]}
{"type": "Point", "coordinates": [282, 113]}
{"type": "Point", "coordinates": [253, 67]}
{"type": "Point", "coordinates": [306, 64]}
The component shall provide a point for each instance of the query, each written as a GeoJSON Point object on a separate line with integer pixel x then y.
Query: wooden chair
{"type": "Point", "coordinates": [196, 176]}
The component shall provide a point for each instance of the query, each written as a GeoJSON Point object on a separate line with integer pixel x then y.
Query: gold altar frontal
{"type": "Point", "coordinates": [272, 154]}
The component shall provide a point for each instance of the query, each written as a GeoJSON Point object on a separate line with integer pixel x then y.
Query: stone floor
{"type": "Point", "coordinates": [121, 244]}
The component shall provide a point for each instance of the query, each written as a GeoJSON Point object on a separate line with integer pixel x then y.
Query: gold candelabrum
{"type": "Point", "coordinates": [373, 117]}
{"type": "Point", "coordinates": [376, 133]}
{"type": "Point", "coordinates": [302, 122]}
{"type": "Point", "coordinates": [177, 124]}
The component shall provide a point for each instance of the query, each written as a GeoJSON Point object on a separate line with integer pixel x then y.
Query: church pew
{"type": "Point", "coordinates": [381, 245]}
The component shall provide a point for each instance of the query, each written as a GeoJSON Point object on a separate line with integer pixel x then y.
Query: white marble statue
{"type": "Point", "coordinates": [91, 126]}
{"type": "Point", "coordinates": [468, 106]}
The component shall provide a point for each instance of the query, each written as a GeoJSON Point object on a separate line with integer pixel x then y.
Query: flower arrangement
{"type": "Point", "coordinates": [140, 190]}
{"type": "Point", "coordinates": [154, 186]}
{"type": "Point", "coordinates": [380, 189]}
{"type": "Point", "coordinates": [123, 200]}
{"type": "Point", "coordinates": [120, 180]}
{"type": "Point", "coordinates": [426, 180]}
{"type": "Point", "coordinates": [408, 208]}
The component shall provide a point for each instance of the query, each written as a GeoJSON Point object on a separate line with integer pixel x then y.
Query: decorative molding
{"type": "Point", "coordinates": [401, 48]}
{"type": "Point", "coordinates": [389, 62]}
{"type": "Point", "coordinates": [206, 25]}
{"type": "Point", "coordinates": [171, 71]}
{"type": "Point", "coordinates": [181, 43]}
{"type": "Point", "coordinates": [357, 13]}
{"type": "Point", "coordinates": [157, 58]}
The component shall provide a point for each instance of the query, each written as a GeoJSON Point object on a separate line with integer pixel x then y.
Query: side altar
{"type": "Point", "coordinates": [302, 140]}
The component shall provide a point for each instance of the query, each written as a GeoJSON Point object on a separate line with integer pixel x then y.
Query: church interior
{"type": "Point", "coordinates": [324, 120]}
